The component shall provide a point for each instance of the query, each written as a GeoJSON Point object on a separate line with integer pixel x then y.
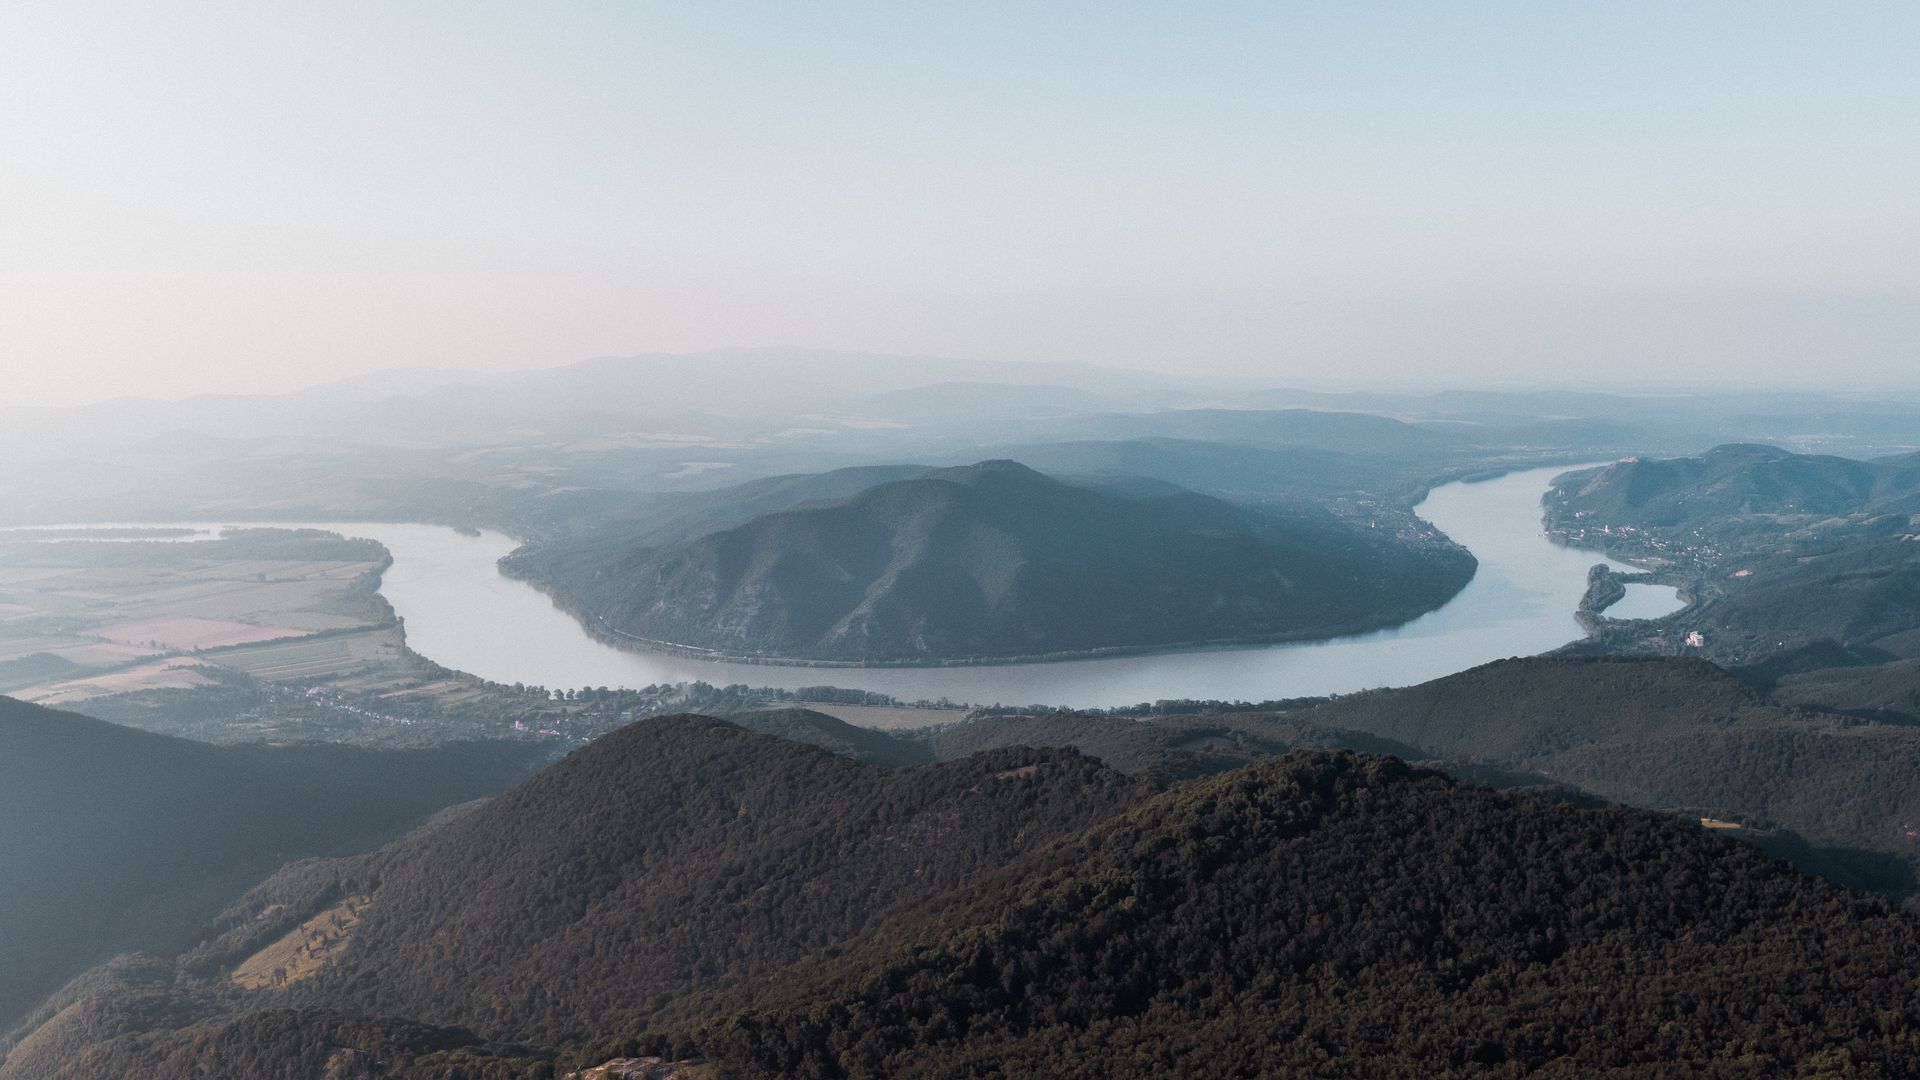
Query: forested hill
{"type": "Point", "coordinates": [681, 851]}
{"type": "Point", "coordinates": [1788, 559]}
{"type": "Point", "coordinates": [114, 839]}
{"type": "Point", "coordinates": [996, 560]}
{"type": "Point", "coordinates": [1344, 914]}
{"type": "Point", "coordinates": [1834, 793]}
{"type": "Point", "coordinates": [669, 857]}
{"type": "Point", "coordinates": [1733, 481]}
{"type": "Point", "coordinates": [1033, 914]}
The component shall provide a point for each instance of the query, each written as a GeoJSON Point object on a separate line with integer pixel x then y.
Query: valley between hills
{"type": "Point", "coordinates": [997, 562]}
{"type": "Point", "coordinates": [1296, 541]}
{"type": "Point", "coordinates": [1685, 842]}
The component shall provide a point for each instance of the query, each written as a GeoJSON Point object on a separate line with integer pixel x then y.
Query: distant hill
{"type": "Point", "coordinates": [690, 890]}
{"type": "Point", "coordinates": [996, 560]}
{"type": "Point", "coordinates": [942, 401]}
{"type": "Point", "coordinates": [1664, 423]}
{"type": "Point", "coordinates": [1833, 792]}
{"type": "Point", "coordinates": [1782, 553]}
{"type": "Point", "coordinates": [1344, 432]}
{"type": "Point", "coordinates": [678, 517]}
{"type": "Point", "coordinates": [1229, 470]}
{"type": "Point", "coordinates": [1858, 587]}
{"type": "Point", "coordinates": [1737, 480]}
{"type": "Point", "coordinates": [113, 839]}
{"type": "Point", "coordinates": [1838, 792]}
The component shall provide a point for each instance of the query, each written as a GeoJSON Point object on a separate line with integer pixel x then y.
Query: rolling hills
{"type": "Point", "coordinates": [675, 854]}
{"type": "Point", "coordinates": [1836, 794]}
{"type": "Point", "coordinates": [1723, 484]}
{"type": "Point", "coordinates": [668, 891]}
{"type": "Point", "coordinates": [1735, 481]}
{"type": "Point", "coordinates": [995, 561]}
{"type": "Point", "coordinates": [1345, 914]}
{"type": "Point", "coordinates": [1832, 791]}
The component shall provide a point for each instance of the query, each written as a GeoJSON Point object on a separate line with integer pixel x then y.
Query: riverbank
{"type": "Point", "coordinates": [463, 615]}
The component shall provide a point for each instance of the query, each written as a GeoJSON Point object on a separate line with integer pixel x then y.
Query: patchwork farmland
{"type": "Point", "coordinates": [82, 619]}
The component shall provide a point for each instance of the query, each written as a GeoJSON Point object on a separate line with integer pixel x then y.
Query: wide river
{"type": "Point", "coordinates": [462, 613]}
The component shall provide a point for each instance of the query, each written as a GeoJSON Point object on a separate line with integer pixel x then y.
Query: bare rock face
{"type": "Point", "coordinates": [645, 1068]}
{"type": "Point", "coordinates": [350, 1064]}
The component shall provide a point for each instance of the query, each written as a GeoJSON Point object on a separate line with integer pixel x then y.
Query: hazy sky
{"type": "Point", "coordinates": [256, 196]}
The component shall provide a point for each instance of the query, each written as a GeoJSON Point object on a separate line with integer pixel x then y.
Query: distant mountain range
{"type": "Point", "coordinates": [745, 906]}
{"type": "Point", "coordinates": [994, 560]}
{"type": "Point", "coordinates": [537, 451]}
{"type": "Point", "coordinates": [421, 405]}
{"type": "Point", "coordinates": [543, 452]}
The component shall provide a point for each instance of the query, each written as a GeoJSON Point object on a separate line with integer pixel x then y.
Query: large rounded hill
{"type": "Point", "coordinates": [995, 561]}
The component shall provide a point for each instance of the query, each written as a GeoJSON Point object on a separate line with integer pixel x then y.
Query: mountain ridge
{"type": "Point", "coordinates": [1319, 911]}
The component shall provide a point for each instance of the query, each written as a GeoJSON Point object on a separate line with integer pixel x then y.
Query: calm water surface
{"type": "Point", "coordinates": [463, 614]}
{"type": "Point", "coordinates": [1645, 602]}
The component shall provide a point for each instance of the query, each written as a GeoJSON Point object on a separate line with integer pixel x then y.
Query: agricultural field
{"type": "Point", "coordinates": [81, 619]}
{"type": "Point", "coordinates": [169, 673]}
{"type": "Point", "coordinates": [370, 659]}
{"type": "Point", "coordinates": [261, 635]}
{"type": "Point", "coordinates": [276, 635]}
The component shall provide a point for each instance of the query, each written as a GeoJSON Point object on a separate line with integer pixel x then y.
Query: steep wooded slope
{"type": "Point", "coordinates": [114, 839]}
{"type": "Point", "coordinates": [1346, 914]}
{"type": "Point", "coordinates": [1330, 913]}
{"type": "Point", "coordinates": [1030, 914]}
{"type": "Point", "coordinates": [675, 853]}
{"type": "Point", "coordinates": [996, 560]}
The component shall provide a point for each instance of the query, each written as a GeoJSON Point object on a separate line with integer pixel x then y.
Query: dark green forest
{"type": "Point", "coordinates": [691, 890]}
{"type": "Point", "coordinates": [1345, 913]}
